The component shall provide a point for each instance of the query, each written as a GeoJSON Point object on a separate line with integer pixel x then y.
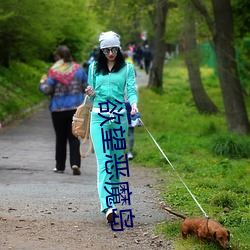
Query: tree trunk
{"type": "Point", "coordinates": [201, 99]}
{"type": "Point", "coordinates": [235, 109]}
{"type": "Point", "coordinates": [159, 46]}
{"type": "Point", "coordinates": [223, 38]}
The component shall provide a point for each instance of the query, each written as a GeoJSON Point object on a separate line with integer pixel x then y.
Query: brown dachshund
{"type": "Point", "coordinates": [204, 229]}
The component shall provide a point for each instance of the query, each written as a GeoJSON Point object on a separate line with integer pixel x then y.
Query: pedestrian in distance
{"type": "Point", "coordinates": [108, 77]}
{"type": "Point", "coordinates": [92, 57]}
{"type": "Point", "coordinates": [131, 129]}
{"type": "Point", "coordinates": [65, 83]}
{"type": "Point", "coordinates": [138, 52]}
{"type": "Point", "coordinates": [147, 54]}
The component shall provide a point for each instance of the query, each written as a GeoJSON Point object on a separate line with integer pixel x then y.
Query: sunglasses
{"type": "Point", "coordinates": [106, 51]}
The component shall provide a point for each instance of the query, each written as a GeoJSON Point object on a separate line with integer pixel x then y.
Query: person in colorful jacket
{"type": "Point", "coordinates": [65, 83]}
{"type": "Point", "coordinates": [108, 77]}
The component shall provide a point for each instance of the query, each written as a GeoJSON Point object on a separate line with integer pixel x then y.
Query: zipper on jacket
{"type": "Point", "coordinates": [109, 88]}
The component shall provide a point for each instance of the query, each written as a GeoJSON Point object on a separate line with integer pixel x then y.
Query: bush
{"type": "Point", "coordinates": [231, 146]}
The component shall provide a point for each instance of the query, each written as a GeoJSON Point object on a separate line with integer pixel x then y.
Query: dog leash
{"type": "Point", "coordinates": [174, 170]}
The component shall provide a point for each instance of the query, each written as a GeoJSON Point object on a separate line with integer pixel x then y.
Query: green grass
{"type": "Point", "coordinates": [214, 164]}
{"type": "Point", "coordinates": [19, 88]}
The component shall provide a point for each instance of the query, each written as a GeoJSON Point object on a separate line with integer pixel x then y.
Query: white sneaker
{"type": "Point", "coordinates": [130, 156]}
{"type": "Point", "coordinates": [58, 171]}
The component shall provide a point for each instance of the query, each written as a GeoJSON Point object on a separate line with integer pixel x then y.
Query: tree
{"type": "Point", "coordinates": [126, 18]}
{"type": "Point", "coordinates": [28, 33]}
{"type": "Point", "coordinates": [201, 99]}
{"type": "Point", "coordinates": [223, 38]}
{"type": "Point", "coordinates": [242, 33]}
{"type": "Point", "coordinates": [159, 46]}
{"type": "Point", "coordinates": [241, 17]}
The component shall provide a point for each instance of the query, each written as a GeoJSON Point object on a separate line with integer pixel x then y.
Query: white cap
{"type": "Point", "coordinates": [109, 39]}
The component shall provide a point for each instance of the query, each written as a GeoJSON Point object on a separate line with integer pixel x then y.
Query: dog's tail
{"type": "Point", "coordinates": [175, 213]}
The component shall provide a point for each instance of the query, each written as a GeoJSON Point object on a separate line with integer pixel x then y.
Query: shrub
{"type": "Point", "coordinates": [223, 200]}
{"type": "Point", "coordinates": [231, 146]}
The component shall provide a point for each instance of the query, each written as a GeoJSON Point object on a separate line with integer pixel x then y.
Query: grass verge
{"type": "Point", "coordinates": [214, 164]}
{"type": "Point", "coordinates": [19, 89]}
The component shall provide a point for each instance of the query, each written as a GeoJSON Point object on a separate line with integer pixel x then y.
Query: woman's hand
{"type": "Point", "coordinates": [90, 91]}
{"type": "Point", "coordinates": [134, 109]}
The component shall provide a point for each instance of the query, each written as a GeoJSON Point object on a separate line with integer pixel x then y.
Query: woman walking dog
{"type": "Point", "coordinates": [108, 78]}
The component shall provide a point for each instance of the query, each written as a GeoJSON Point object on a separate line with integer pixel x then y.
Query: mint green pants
{"type": "Point", "coordinates": [101, 156]}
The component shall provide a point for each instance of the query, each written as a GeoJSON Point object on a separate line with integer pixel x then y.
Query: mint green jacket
{"type": "Point", "coordinates": [113, 86]}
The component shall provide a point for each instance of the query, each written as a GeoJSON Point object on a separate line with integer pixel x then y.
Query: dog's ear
{"type": "Point", "coordinates": [214, 235]}
{"type": "Point", "coordinates": [228, 237]}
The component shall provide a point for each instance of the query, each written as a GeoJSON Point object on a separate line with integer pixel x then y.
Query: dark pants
{"type": "Point", "coordinates": [147, 65]}
{"type": "Point", "coordinates": [131, 139]}
{"type": "Point", "coordinates": [130, 129]}
{"type": "Point", "coordinates": [62, 122]}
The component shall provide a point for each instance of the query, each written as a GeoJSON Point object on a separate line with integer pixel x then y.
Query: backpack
{"type": "Point", "coordinates": [81, 125]}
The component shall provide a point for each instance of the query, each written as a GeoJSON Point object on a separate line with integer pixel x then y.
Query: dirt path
{"type": "Point", "coordinates": [43, 210]}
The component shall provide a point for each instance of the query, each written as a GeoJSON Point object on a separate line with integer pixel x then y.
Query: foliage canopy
{"type": "Point", "coordinates": [28, 33]}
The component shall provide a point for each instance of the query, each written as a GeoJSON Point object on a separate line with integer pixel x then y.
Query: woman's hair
{"type": "Point", "coordinates": [102, 67]}
{"type": "Point", "coordinates": [63, 52]}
